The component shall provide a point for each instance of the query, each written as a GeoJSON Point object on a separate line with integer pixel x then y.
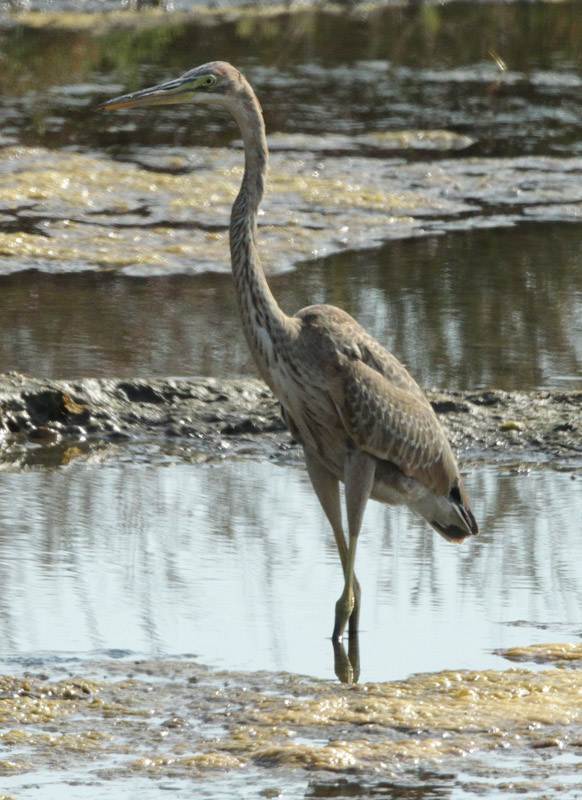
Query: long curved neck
{"type": "Point", "coordinates": [266, 327]}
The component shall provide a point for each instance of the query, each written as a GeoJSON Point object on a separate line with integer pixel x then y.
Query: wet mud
{"type": "Point", "coordinates": [152, 213]}
{"type": "Point", "coordinates": [170, 720]}
{"type": "Point", "coordinates": [204, 418]}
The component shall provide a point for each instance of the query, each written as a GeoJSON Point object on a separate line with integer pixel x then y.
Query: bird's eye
{"type": "Point", "coordinates": [209, 81]}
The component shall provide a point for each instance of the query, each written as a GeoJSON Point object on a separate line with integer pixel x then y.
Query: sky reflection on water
{"type": "Point", "coordinates": [236, 563]}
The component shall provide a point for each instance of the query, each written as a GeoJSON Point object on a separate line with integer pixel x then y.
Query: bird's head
{"type": "Point", "coordinates": [216, 82]}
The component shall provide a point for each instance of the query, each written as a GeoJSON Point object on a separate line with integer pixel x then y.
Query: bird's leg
{"type": "Point", "coordinates": [326, 487]}
{"type": "Point", "coordinates": [359, 470]}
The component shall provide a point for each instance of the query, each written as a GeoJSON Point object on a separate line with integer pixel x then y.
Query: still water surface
{"type": "Point", "coordinates": [482, 299]}
{"type": "Point", "coordinates": [236, 563]}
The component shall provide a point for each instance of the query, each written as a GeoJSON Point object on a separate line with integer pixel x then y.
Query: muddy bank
{"type": "Point", "coordinates": [150, 213]}
{"type": "Point", "coordinates": [456, 731]}
{"type": "Point", "coordinates": [44, 421]}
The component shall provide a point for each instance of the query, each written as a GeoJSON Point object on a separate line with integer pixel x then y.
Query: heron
{"type": "Point", "coordinates": [358, 414]}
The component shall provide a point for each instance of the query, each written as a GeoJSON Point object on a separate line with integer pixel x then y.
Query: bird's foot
{"type": "Point", "coordinates": [343, 611]}
{"type": "Point", "coordinates": [347, 609]}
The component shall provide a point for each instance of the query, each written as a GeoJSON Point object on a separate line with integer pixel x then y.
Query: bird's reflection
{"type": "Point", "coordinates": [346, 665]}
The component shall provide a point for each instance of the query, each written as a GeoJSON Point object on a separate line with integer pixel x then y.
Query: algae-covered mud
{"type": "Point", "coordinates": [70, 200]}
{"type": "Point", "coordinates": [450, 734]}
{"type": "Point", "coordinates": [347, 135]}
{"type": "Point", "coordinates": [68, 212]}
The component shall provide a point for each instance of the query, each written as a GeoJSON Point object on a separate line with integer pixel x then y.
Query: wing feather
{"type": "Point", "coordinates": [381, 407]}
{"type": "Point", "coordinates": [394, 425]}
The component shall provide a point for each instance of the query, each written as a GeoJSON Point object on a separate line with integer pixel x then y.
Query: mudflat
{"type": "Point", "coordinates": [241, 417]}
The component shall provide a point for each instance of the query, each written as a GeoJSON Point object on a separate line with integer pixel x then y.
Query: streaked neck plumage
{"type": "Point", "coordinates": [266, 327]}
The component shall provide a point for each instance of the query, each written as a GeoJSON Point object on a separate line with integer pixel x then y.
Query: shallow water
{"type": "Point", "coordinates": [235, 562]}
{"type": "Point", "coordinates": [131, 575]}
{"type": "Point", "coordinates": [487, 335]}
{"type": "Point", "coordinates": [423, 66]}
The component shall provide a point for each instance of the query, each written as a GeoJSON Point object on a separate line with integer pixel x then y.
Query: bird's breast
{"type": "Point", "coordinates": [315, 419]}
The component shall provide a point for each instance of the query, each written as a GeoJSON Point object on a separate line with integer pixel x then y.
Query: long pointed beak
{"type": "Point", "coordinates": [163, 94]}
